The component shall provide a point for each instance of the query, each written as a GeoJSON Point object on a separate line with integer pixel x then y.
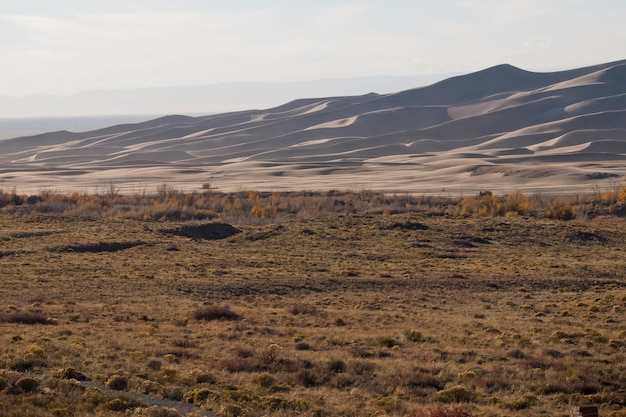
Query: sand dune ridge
{"type": "Point", "coordinates": [564, 125]}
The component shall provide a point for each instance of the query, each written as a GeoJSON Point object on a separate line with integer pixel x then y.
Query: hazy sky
{"type": "Point", "coordinates": [67, 46]}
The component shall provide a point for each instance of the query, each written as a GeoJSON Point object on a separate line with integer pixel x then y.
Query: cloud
{"type": "Point", "coordinates": [538, 43]}
{"type": "Point", "coordinates": [339, 16]}
{"type": "Point", "coordinates": [79, 45]}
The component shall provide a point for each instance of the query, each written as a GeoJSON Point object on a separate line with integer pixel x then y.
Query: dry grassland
{"type": "Point", "coordinates": [349, 314]}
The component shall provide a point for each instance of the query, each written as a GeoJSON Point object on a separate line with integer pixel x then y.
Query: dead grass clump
{"type": "Point", "coordinates": [200, 396]}
{"type": "Point", "coordinates": [409, 225]}
{"type": "Point", "coordinates": [26, 363]}
{"type": "Point", "coordinates": [582, 353]}
{"type": "Point", "coordinates": [391, 405]}
{"type": "Point", "coordinates": [122, 404]}
{"type": "Point", "coordinates": [180, 353]}
{"type": "Point", "coordinates": [444, 412]}
{"type": "Point", "coordinates": [420, 381]}
{"type": "Point", "coordinates": [117, 382]}
{"type": "Point", "coordinates": [554, 388]}
{"type": "Point", "coordinates": [361, 352]}
{"type": "Point", "coordinates": [553, 353]}
{"type": "Point", "coordinates": [27, 384]}
{"type": "Point", "coordinates": [302, 346]}
{"type": "Point", "coordinates": [155, 411]}
{"type": "Point", "coordinates": [522, 403]}
{"type": "Point", "coordinates": [456, 394]}
{"type": "Point", "coordinates": [232, 410]}
{"type": "Point", "coordinates": [617, 397]}
{"type": "Point", "coordinates": [280, 404]}
{"type": "Point", "coordinates": [271, 353]}
{"type": "Point", "coordinates": [184, 342]}
{"type": "Point", "coordinates": [493, 384]}
{"type": "Point", "coordinates": [100, 247]}
{"type": "Point", "coordinates": [239, 364]}
{"type": "Point", "coordinates": [70, 373]}
{"type": "Point", "coordinates": [414, 336]}
{"type": "Point", "coordinates": [303, 308]}
{"type": "Point", "coordinates": [536, 363]}
{"type": "Point", "coordinates": [336, 366]}
{"type": "Point", "coordinates": [517, 354]}
{"type": "Point", "coordinates": [425, 381]}
{"type": "Point", "coordinates": [202, 377]}
{"type": "Point", "coordinates": [172, 392]}
{"type": "Point", "coordinates": [23, 317]}
{"type": "Point", "coordinates": [93, 398]}
{"type": "Point", "coordinates": [244, 352]}
{"type": "Point", "coordinates": [265, 380]}
{"type": "Point", "coordinates": [361, 367]}
{"type": "Point", "coordinates": [313, 377]}
{"type": "Point", "coordinates": [209, 313]}
{"type": "Point", "coordinates": [154, 364]}
{"type": "Point", "coordinates": [388, 342]}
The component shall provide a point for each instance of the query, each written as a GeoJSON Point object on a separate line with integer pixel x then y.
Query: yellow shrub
{"type": "Point", "coordinates": [483, 206]}
{"type": "Point", "coordinates": [517, 202]}
{"type": "Point", "coordinates": [560, 210]}
{"type": "Point", "coordinates": [622, 195]}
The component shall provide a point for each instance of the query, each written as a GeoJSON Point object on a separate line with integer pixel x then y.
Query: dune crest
{"type": "Point", "coordinates": [501, 128]}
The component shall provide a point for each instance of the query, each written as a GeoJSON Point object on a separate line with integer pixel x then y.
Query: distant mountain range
{"type": "Point", "coordinates": [500, 128]}
{"type": "Point", "coordinates": [197, 99]}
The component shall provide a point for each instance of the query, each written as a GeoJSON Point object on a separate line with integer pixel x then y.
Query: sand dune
{"type": "Point", "coordinates": [502, 128]}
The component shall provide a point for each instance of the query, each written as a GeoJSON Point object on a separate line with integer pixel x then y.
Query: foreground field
{"type": "Point", "coordinates": [354, 315]}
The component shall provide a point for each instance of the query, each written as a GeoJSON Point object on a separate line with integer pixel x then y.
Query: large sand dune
{"type": "Point", "coordinates": [502, 128]}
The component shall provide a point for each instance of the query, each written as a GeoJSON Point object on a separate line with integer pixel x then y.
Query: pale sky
{"type": "Point", "coordinates": [68, 46]}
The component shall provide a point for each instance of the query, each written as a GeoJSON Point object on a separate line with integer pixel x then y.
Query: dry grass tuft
{"type": "Point", "coordinates": [117, 382]}
{"type": "Point", "coordinates": [209, 313]}
{"type": "Point", "coordinates": [303, 308]}
{"type": "Point", "coordinates": [22, 317]}
{"type": "Point", "coordinates": [333, 303]}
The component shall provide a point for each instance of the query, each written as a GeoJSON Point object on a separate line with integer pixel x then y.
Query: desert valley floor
{"type": "Point", "coordinates": [347, 314]}
{"type": "Point", "coordinates": [455, 250]}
